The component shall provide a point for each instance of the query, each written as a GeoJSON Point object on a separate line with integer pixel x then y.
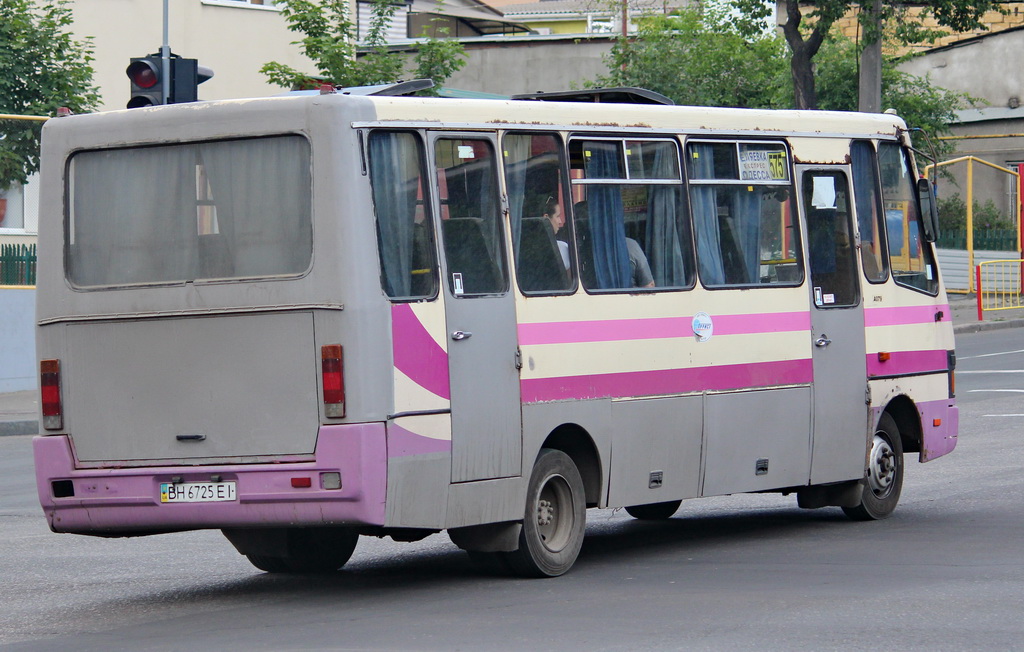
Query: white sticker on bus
{"type": "Point", "coordinates": [703, 327]}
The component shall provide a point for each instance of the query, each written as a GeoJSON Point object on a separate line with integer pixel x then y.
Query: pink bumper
{"type": "Point", "coordinates": [127, 500]}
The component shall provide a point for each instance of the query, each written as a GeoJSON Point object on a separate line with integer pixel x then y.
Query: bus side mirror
{"type": "Point", "coordinates": [929, 210]}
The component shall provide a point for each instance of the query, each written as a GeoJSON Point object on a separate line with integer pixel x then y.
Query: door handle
{"type": "Point", "coordinates": [461, 335]}
{"type": "Point", "coordinates": [822, 341]}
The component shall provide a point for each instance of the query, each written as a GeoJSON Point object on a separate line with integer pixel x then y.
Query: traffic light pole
{"type": "Point", "coordinates": [165, 56]}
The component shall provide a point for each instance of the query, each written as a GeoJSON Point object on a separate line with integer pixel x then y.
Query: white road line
{"type": "Point", "coordinates": [992, 371]}
{"type": "Point", "coordinates": [989, 355]}
{"type": "Point", "coordinates": [1018, 391]}
{"type": "Point", "coordinates": [1004, 415]}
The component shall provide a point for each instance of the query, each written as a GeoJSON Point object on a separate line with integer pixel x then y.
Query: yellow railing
{"type": "Point", "coordinates": [999, 285]}
{"type": "Point", "coordinates": [1015, 218]}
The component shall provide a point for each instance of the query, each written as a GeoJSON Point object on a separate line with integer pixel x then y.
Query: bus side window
{"type": "Point", "coordinates": [471, 216]}
{"type": "Point", "coordinates": [541, 234]}
{"type": "Point", "coordinates": [910, 258]}
{"type": "Point", "coordinates": [405, 233]}
{"type": "Point", "coordinates": [740, 194]}
{"type": "Point", "coordinates": [869, 212]}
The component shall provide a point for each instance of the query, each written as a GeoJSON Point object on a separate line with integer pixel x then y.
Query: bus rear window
{"type": "Point", "coordinates": [176, 213]}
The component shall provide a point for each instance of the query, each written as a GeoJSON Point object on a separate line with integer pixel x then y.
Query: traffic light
{"type": "Point", "coordinates": [149, 86]}
{"type": "Point", "coordinates": [147, 81]}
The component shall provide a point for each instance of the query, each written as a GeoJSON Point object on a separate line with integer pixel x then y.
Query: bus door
{"type": "Point", "coordinates": [479, 309]}
{"type": "Point", "coordinates": [837, 323]}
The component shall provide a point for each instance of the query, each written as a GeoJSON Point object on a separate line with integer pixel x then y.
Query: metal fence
{"type": "Point", "coordinates": [17, 264]}
{"type": "Point", "coordinates": [989, 240]}
{"type": "Point", "coordinates": [999, 285]}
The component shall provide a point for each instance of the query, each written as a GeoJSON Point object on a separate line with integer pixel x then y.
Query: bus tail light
{"type": "Point", "coordinates": [49, 389]}
{"type": "Point", "coordinates": [332, 366]}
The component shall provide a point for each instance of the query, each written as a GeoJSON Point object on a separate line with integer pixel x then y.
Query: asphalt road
{"type": "Point", "coordinates": [946, 572]}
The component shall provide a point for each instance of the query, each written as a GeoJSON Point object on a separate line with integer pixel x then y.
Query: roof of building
{"type": "Point", "coordinates": [968, 116]}
{"type": "Point", "coordinates": [582, 7]}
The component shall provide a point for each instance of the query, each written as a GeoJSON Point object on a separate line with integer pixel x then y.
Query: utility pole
{"type": "Point", "coordinates": [165, 56]}
{"type": "Point", "coordinates": [870, 83]}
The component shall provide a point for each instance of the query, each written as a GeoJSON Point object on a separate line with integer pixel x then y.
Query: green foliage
{"type": "Point", "coordinates": [699, 58]}
{"type": "Point", "coordinates": [806, 33]}
{"type": "Point", "coordinates": [330, 41]}
{"type": "Point", "coordinates": [987, 216]}
{"type": "Point", "coordinates": [915, 99]}
{"type": "Point", "coordinates": [43, 69]}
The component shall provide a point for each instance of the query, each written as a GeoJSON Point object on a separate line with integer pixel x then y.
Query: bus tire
{"type": "Point", "coordinates": [654, 511]}
{"type": "Point", "coordinates": [884, 476]}
{"type": "Point", "coordinates": [310, 550]}
{"type": "Point", "coordinates": [554, 520]}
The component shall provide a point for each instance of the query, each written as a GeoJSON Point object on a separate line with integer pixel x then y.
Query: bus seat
{"type": "Point", "coordinates": [585, 249]}
{"type": "Point", "coordinates": [467, 254]}
{"type": "Point", "coordinates": [540, 263]}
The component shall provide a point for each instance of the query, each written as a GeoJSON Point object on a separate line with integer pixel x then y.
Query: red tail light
{"type": "Point", "coordinates": [332, 366]}
{"type": "Point", "coordinates": [49, 388]}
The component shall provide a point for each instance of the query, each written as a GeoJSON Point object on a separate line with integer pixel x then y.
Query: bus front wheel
{"type": "Point", "coordinates": [555, 518]}
{"type": "Point", "coordinates": [884, 474]}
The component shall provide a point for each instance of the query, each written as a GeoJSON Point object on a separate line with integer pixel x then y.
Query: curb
{"type": "Point", "coordinates": [987, 326]}
{"type": "Point", "coordinates": [11, 428]}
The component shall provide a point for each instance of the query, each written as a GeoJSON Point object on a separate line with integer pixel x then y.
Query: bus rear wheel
{"type": "Point", "coordinates": [654, 511]}
{"type": "Point", "coordinates": [309, 550]}
{"type": "Point", "coordinates": [555, 518]}
{"type": "Point", "coordinates": [884, 476]}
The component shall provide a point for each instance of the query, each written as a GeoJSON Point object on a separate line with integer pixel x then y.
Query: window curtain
{"type": "Point", "coordinates": [607, 221]}
{"type": "Point", "coordinates": [133, 217]}
{"type": "Point", "coordinates": [518, 150]}
{"type": "Point", "coordinates": [262, 192]}
{"type": "Point", "coordinates": [664, 241]}
{"type": "Point", "coordinates": [394, 175]}
{"type": "Point", "coordinates": [705, 215]}
{"type": "Point", "coordinates": [746, 210]}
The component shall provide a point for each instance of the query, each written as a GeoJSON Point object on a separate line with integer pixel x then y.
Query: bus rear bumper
{"type": "Point", "coordinates": [127, 501]}
{"type": "Point", "coordinates": [940, 423]}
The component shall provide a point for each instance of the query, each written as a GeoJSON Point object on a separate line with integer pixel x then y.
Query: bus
{"type": "Point", "coordinates": [304, 319]}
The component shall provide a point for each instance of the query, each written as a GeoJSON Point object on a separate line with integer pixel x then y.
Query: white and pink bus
{"type": "Point", "coordinates": [303, 319]}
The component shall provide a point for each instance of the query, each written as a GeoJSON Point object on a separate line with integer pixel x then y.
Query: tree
{"type": "Point", "coordinates": [44, 68]}
{"type": "Point", "coordinates": [915, 99]}
{"type": "Point", "coordinates": [330, 42]}
{"type": "Point", "coordinates": [697, 57]}
{"type": "Point", "coordinates": [806, 33]}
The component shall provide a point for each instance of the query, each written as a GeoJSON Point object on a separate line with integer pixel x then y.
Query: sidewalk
{"type": "Point", "coordinates": [19, 410]}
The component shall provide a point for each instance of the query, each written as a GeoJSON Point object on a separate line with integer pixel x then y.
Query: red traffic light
{"type": "Point", "coordinates": [143, 73]}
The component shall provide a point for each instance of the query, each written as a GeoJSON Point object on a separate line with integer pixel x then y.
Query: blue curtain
{"type": "Point", "coordinates": [664, 241]}
{"type": "Point", "coordinates": [746, 211]}
{"type": "Point", "coordinates": [704, 201]}
{"type": "Point", "coordinates": [607, 221]}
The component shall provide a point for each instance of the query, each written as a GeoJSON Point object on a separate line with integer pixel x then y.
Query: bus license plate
{"type": "Point", "coordinates": [197, 492]}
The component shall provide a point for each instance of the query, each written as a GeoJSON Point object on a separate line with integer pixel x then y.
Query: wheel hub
{"type": "Point", "coordinates": [545, 512]}
{"type": "Point", "coordinates": [882, 469]}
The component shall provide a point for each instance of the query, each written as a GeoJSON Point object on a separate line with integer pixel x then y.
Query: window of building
{"type": "Point", "coordinates": [12, 208]}
{"type": "Point", "coordinates": [741, 197]}
{"type": "Point", "coordinates": [629, 214]}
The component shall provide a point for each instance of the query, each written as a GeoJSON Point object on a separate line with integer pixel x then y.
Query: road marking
{"type": "Point", "coordinates": [1004, 415]}
{"type": "Point", "coordinates": [993, 371]}
{"type": "Point", "coordinates": [1019, 391]}
{"type": "Point", "coordinates": [989, 355]}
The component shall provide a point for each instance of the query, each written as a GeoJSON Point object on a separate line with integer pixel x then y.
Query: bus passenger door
{"type": "Point", "coordinates": [479, 310]}
{"type": "Point", "coordinates": [837, 323]}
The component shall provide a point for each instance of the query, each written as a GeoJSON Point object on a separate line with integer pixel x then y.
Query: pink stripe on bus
{"type": "Point", "coordinates": [615, 330]}
{"type": "Point", "coordinates": [416, 353]}
{"type": "Point", "coordinates": [907, 362]}
{"type": "Point", "coordinates": [905, 315]}
{"type": "Point", "coordinates": [667, 381]}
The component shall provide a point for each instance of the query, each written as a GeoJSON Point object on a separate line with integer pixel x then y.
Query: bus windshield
{"type": "Point", "coordinates": [211, 210]}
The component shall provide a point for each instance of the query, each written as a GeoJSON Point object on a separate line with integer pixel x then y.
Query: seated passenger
{"type": "Point", "coordinates": [640, 269]}
{"type": "Point", "coordinates": [553, 213]}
